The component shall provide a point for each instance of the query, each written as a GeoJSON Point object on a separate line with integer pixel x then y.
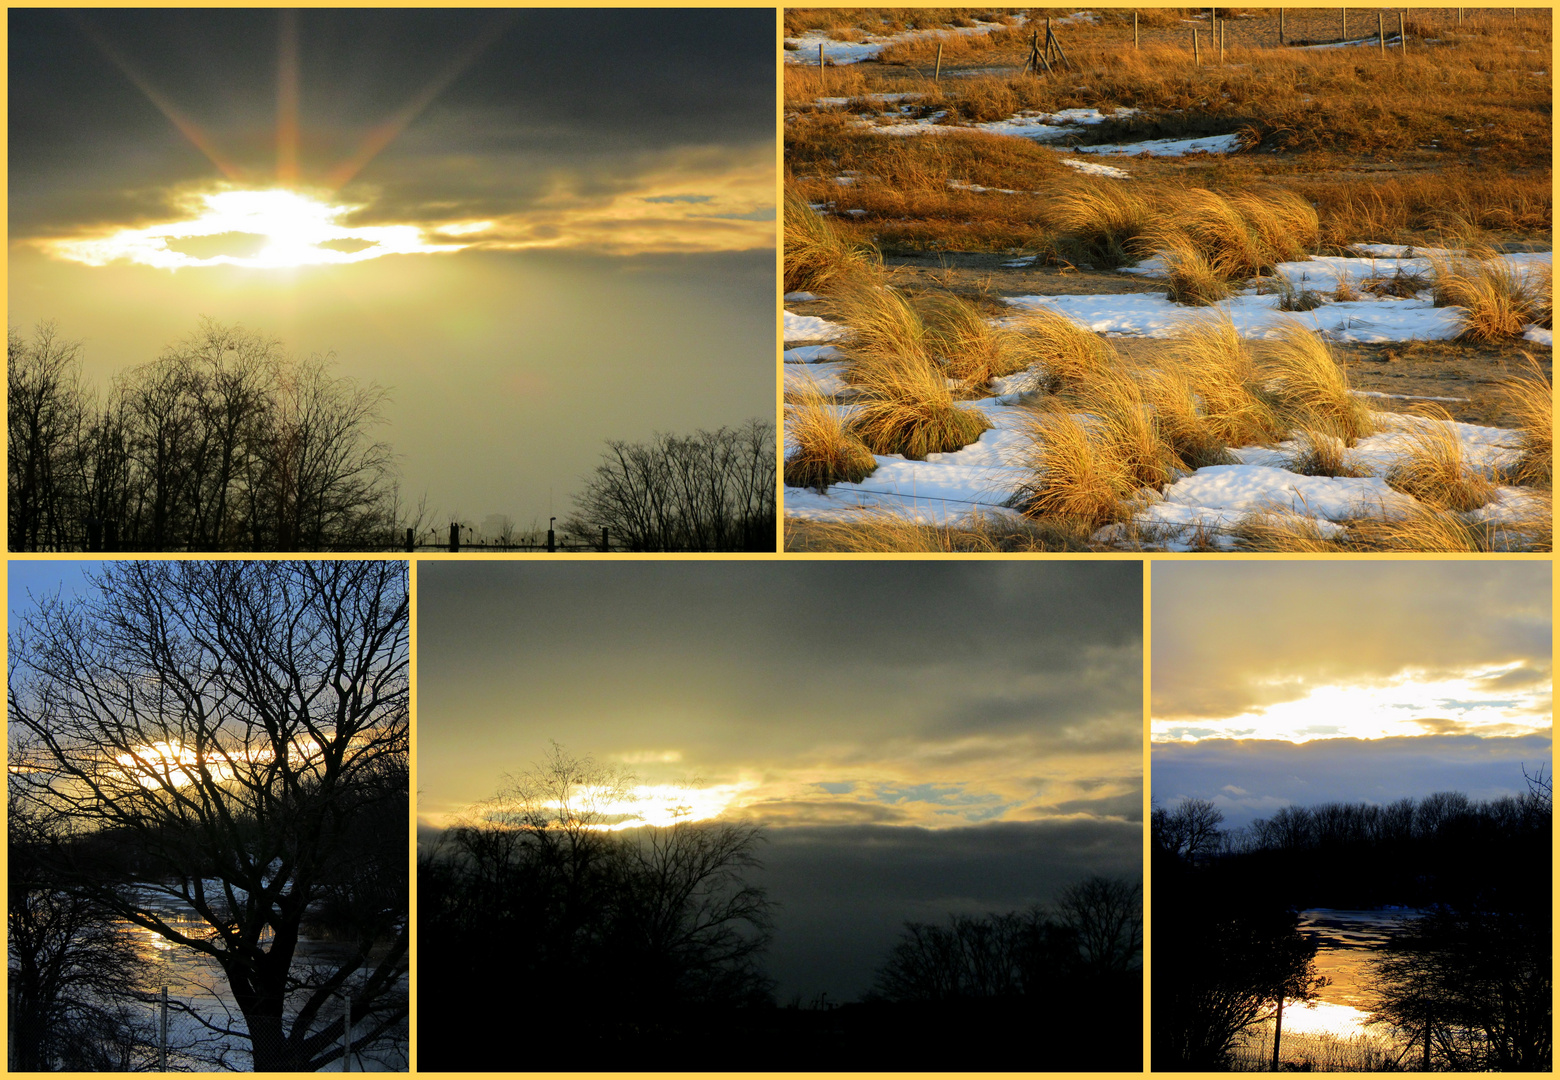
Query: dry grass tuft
{"type": "Point", "coordinates": [1107, 225]}
{"type": "Point", "coordinates": [885, 531]}
{"type": "Point", "coordinates": [1434, 471]}
{"type": "Point", "coordinates": [1322, 453]}
{"type": "Point", "coordinates": [1069, 354]}
{"type": "Point", "coordinates": [1310, 388]}
{"type": "Point", "coordinates": [907, 409]}
{"type": "Point", "coordinates": [1184, 429]}
{"type": "Point", "coordinates": [1531, 399]}
{"type": "Point", "coordinates": [1192, 278]}
{"type": "Point", "coordinates": [1498, 299]}
{"type": "Point", "coordinates": [1078, 478]}
{"type": "Point", "coordinates": [1427, 528]}
{"type": "Point", "coordinates": [1292, 297]}
{"type": "Point", "coordinates": [825, 451]}
{"type": "Point", "coordinates": [969, 346]}
{"type": "Point", "coordinates": [1218, 366]}
{"type": "Point", "coordinates": [817, 256]}
{"type": "Point", "coordinates": [1281, 529]}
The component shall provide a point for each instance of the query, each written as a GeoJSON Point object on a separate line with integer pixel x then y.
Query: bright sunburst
{"type": "Point", "coordinates": [260, 229]}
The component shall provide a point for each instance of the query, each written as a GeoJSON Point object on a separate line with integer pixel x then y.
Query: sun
{"type": "Point", "coordinates": [267, 228]}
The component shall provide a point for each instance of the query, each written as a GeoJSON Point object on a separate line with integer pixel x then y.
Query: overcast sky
{"type": "Point", "coordinates": [1304, 682]}
{"type": "Point", "coordinates": [919, 738]}
{"type": "Point", "coordinates": [601, 184]}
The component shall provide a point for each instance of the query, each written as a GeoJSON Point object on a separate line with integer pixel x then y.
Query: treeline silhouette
{"type": "Point", "coordinates": [1443, 848]}
{"type": "Point", "coordinates": [220, 444]}
{"type": "Point", "coordinates": [1466, 984]}
{"type": "Point", "coordinates": [709, 491]}
{"type": "Point", "coordinates": [640, 949]}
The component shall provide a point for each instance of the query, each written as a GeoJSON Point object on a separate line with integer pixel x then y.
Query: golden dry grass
{"type": "Point", "coordinates": [1219, 367]}
{"type": "Point", "coordinates": [822, 451]}
{"type": "Point", "coordinates": [1531, 400]}
{"type": "Point", "coordinates": [1281, 529]}
{"type": "Point", "coordinates": [1182, 425]}
{"type": "Point", "coordinates": [906, 405]}
{"type": "Point", "coordinates": [882, 531]}
{"type": "Point", "coordinates": [1077, 476]}
{"type": "Point", "coordinates": [1432, 468]}
{"type": "Point", "coordinates": [1321, 453]}
{"type": "Point", "coordinates": [1191, 276]}
{"type": "Point", "coordinates": [817, 257]}
{"type": "Point", "coordinates": [1309, 386]}
{"type": "Point", "coordinates": [1106, 225]}
{"type": "Point", "coordinates": [970, 347]}
{"type": "Point", "coordinates": [1070, 355]}
{"type": "Point", "coordinates": [1499, 299]}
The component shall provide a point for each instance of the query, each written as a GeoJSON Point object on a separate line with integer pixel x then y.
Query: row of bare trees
{"type": "Point", "coordinates": [221, 443]}
{"type": "Point", "coordinates": [709, 491]}
{"type": "Point", "coordinates": [1096, 929]}
{"type": "Point", "coordinates": [538, 903]}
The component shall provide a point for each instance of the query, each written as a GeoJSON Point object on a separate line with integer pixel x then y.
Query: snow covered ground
{"type": "Point", "coordinates": [871, 45]}
{"type": "Point", "coordinates": [1371, 318]}
{"type": "Point", "coordinates": [1201, 507]}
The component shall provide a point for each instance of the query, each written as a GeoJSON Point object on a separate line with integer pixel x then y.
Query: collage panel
{"type": "Point", "coordinates": [391, 280]}
{"type": "Point", "coordinates": [1167, 280]}
{"type": "Point", "coordinates": [208, 791]}
{"type": "Point", "coordinates": [749, 816]}
{"type": "Point", "coordinates": [1352, 776]}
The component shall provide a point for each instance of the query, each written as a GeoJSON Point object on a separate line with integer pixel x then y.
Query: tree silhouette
{"type": "Point", "coordinates": [540, 892]}
{"type": "Point", "coordinates": [709, 491]}
{"type": "Point", "coordinates": [241, 728]}
{"type": "Point", "coordinates": [221, 443]}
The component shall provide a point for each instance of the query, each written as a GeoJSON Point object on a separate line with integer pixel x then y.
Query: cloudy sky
{"type": "Point", "coordinates": [540, 229]}
{"type": "Point", "coordinates": [1278, 683]}
{"type": "Point", "coordinates": [920, 738]}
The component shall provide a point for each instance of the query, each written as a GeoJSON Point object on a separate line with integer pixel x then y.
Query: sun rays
{"type": "Point", "coordinates": [258, 224]}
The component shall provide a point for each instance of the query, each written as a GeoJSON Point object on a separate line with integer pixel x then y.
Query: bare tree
{"type": "Point", "coordinates": [44, 411]}
{"type": "Point", "coordinates": [1106, 914]}
{"type": "Point", "coordinates": [73, 971]}
{"type": "Point", "coordinates": [545, 885]}
{"type": "Point", "coordinates": [221, 443]}
{"type": "Point", "coordinates": [1189, 831]}
{"type": "Point", "coordinates": [710, 491]}
{"type": "Point", "coordinates": [241, 728]}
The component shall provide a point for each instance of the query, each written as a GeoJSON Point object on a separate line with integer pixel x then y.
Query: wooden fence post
{"type": "Point", "coordinates": [1402, 35]}
{"type": "Point", "coordinates": [1381, 35]}
{"type": "Point", "coordinates": [1280, 26]}
{"type": "Point", "coordinates": [1343, 24]}
{"type": "Point", "coordinates": [937, 73]}
{"type": "Point", "coordinates": [820, 56]}
{"type": "Point", "coordinates": [552, 537]}
{"type": "Point", "coordinates": [410, 543]}
{"type": "Point", "coordinates": [1134, 29]}
{"type": "Point", "coordinates": [454, 536]}
{"type": "Point", "coordinates": [1196, 53]}
{"type": "Point", "coordinates": [1222, 24]}
{"type": "Point", "coordinates": [604, 545]}
{"type": "Point", "coordinates": [162, 1033]}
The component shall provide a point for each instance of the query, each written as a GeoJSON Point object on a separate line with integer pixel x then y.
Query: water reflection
{"type": "Point", "coordinates": [1331, 1033]}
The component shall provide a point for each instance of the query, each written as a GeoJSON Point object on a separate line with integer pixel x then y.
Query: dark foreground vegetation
{"type": "Point", "coordinates": [221, 444]}
{"type": "Point", "coordinates": [224, 443]}
{"type": "Point", "coordinates": [709, 491]}
{"type": "Point", "coordinates": [1467, 985]}
{"type": "Point", "coordinates": [642, 949]}
{"type": "Point", "coordinates": [214, 757]}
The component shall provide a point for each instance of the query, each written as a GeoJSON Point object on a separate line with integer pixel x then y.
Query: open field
{"type": "Point", "coordinates": [1061, 275]}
